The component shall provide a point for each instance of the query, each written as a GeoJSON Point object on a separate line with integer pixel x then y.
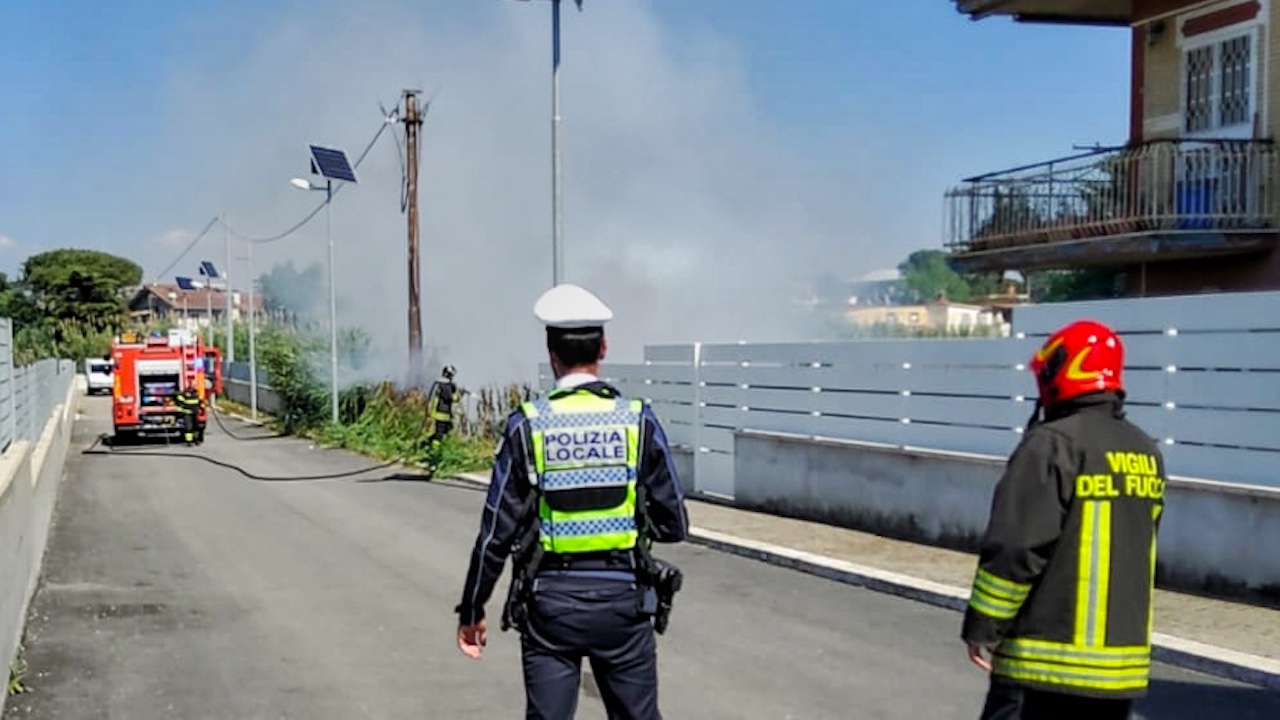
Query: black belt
{"type": "Point", "coordinates": [623, 560]}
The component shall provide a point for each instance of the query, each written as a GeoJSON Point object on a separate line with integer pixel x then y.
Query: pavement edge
{"type": "Point", "coordinates": [1187, 654]}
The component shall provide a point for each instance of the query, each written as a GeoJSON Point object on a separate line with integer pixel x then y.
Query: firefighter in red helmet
{"type": "Point", "coordinates": [1060, 609]}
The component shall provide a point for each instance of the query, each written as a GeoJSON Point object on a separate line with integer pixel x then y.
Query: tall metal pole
{"type": "Point", "coordinates": [557, 209]}
{"type": "Point", "coordinates": [411, 123]}
{"type": "Point", "coordinates": [208, 308]}
{"type": "Point", "coordinates": [253, 356]}
{"type": "Point", "coordinates": [333, 303]}
{"type": "Point", "coordinates": [226, 279]}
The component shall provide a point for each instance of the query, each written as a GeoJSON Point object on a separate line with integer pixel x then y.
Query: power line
{"type": "Point", "coordinates": [190, 246]}
{"type": "Point", "coordinates": [387, 120]}
{"type": "Point", "coordinates": [297, 226]}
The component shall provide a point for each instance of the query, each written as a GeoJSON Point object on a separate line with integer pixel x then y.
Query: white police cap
{"type": "Point", "coordinates": [569, 306]}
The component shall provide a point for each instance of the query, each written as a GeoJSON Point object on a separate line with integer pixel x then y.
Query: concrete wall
{"type": "Point", "coordinates": [29, 477]}
{"type": "Point", "coordinates": [238, 391]}
{"type": "Point", "coordinates": [1215, 537]}
{"type": "Point", "coordinates": [925, 496]}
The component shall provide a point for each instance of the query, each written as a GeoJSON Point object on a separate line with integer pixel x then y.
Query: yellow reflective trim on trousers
{"type": "Point", "coordinates": [1088, 678]}
{"type": "Point", "coordinates": [1049, 651]}
{"type": "Point", "coordinates": [1094, 581]}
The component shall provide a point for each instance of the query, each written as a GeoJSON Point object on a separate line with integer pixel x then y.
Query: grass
{"type": "Point", "coordinates": [392, 424]}
{"type": "Point", "coordinates": [17, 673]}
{"type": "Point", "coordinates": [232, 407]}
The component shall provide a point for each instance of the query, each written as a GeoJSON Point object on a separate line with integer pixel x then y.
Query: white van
{"type": "Point", "coordinates": [98, 373]}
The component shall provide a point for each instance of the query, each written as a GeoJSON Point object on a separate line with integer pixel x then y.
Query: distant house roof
{"type": "Point", "coordinates": [158, 295]}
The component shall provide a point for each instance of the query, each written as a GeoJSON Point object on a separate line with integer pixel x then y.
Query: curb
{"type": "Point", "coordinates": [1188, 654]}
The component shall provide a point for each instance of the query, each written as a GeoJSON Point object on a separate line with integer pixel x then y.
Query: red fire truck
{"type": "Point", "coordinates": [149, 372]}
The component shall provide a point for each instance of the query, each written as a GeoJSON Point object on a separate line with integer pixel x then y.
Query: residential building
{"type": "Point", "coordinates": [188, 309]}
{"type": "Point", "coordinates": [940, 316]}
{"type": "Point", "coordinates": [1189, 202]}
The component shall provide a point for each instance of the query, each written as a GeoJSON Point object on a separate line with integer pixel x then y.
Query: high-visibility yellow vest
{"type": "Point", "coordinates": [585, 455]}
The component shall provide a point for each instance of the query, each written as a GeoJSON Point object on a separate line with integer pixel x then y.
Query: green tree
{"type": "Point", "coordinates": [67, 303]}
{"type": "Point", "coordinates": [927, 276]}
{"type": "Point", "coordinates": [288, 291]}
{"type": "Point", "coordinates": [1077, 284]}
{"type": "Point", "coordinates": [85, 286]}
{"type": "Point", "coordinates": [16, 303]}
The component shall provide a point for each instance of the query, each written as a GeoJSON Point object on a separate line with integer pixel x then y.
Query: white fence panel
{"type": "Point", "coordinates": [1230, 311]}
{"type": "Point", "coordinates": [1250, 467]}
{"type": "Point", "coordinates": [1244, 390]}
{"type": "Point", "coordinates": [1227, 351]}
{"type": "Point", "coordinates": [1202, 375]}
{"type": "Point", "coordinates": [685, 353]}
{"type": "Point", "coordinates": [8, 389]}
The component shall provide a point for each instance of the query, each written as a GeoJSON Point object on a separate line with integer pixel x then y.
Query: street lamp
{"type": "Point", "coordinates": [253, 324]}
{"type": "Point", "coordinates": [209, 271]}
{"type": "Point", "coordinates": [331, 164]}
{"type": "Point", "coordinates": [327, 188]}
{"type": "Point", "coordinates": [557, 204]}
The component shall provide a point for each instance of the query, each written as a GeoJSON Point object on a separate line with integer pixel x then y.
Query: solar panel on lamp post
{"type": "Point", "coordinates": [331, 164]}
{"type": "Point", "coordinates": [557, 202]}
{"type": "Point", "coordinates": [211, 273]}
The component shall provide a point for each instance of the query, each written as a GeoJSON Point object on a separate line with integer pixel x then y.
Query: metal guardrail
{"type": "Point", "coordinates": [28, 393]}
{"type": "Point", "coordinates": [1157, 186]}
{"type": "Point", "coordinates": [240, 371]}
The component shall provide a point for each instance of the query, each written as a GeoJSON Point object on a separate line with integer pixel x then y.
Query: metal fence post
{"type": "Point", "coordinates": [13, 386]}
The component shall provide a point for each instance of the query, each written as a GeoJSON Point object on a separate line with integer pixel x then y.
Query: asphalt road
{"type": "Point", "coordinates": [177, 588]}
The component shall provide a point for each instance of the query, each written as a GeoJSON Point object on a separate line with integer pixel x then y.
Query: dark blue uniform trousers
{"type": "Point", "coordinates": [602, 620]}
{"type": "Point", "coordinates": [1009, 701]}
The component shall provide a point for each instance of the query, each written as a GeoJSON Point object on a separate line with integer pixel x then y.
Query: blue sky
{"type": "Point", "coordinates": [698, 132]}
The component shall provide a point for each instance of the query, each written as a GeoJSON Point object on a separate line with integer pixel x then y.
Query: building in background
{"type": "Point", "coordinates": [188, 309]}
{"type": "Point", "coordinates": [1188, 203]}
{"type": "Point", "coordinates": [940, 317]}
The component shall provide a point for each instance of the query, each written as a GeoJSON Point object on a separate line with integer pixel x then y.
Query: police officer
{"type": "Point", "coordinates": [444, 393]}
{"type": "Point", "coordinates": [189, 405]}
{"type": "Point", "coordinates": [579, 460]}
{"type": "Point", "coordinates": [1060, 610]}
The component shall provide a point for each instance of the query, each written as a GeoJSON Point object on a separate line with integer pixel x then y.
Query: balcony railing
{"type": "Point", "coordinates": [1155, 187]}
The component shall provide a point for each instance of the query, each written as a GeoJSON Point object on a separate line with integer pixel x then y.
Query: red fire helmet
{"type": "Point", "coordinates": [1083, 357]}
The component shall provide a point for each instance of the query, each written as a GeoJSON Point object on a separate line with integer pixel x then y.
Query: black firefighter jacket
{"type": "Point", "coordinates": [1066, 568]}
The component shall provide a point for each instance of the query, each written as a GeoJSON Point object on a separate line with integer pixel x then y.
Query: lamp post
{"type": "Point", "coordinates": [253, 326]}
{"type": "Point", "coordinates": [327, 189]}
{"type": "Point", "coordinates": [231, 330]}
{"type": "Point", "coordinates": [557, 203]}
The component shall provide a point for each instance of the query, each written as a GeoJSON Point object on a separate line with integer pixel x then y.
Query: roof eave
{"type": "Point", "coordinates": [982, 9]}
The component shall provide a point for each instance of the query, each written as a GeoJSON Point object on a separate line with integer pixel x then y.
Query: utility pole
{"type": "Point", "coordinates": [413, 121]}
